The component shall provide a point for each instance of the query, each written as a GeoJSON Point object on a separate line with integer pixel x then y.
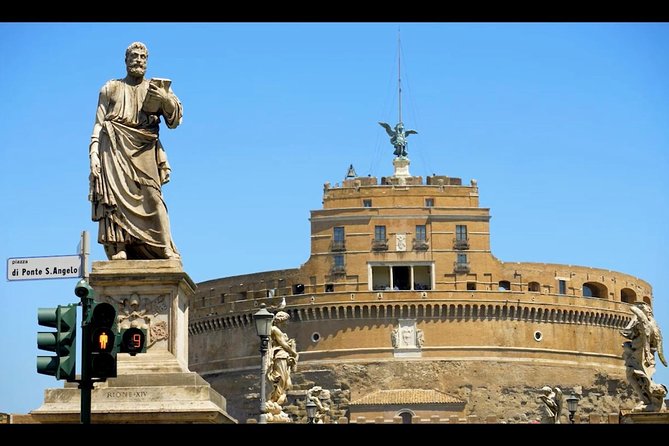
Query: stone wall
{"type": "Point", "coordinates": [505, 392]}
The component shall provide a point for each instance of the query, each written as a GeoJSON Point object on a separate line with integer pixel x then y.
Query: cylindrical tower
{"type": "Point", "coordinates": [401, 291]}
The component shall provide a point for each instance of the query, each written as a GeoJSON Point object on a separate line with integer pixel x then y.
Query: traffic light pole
{"type": "Point", "coordinates": [86, 383]}
{"type": "Point", "coordinates": [85, 253]}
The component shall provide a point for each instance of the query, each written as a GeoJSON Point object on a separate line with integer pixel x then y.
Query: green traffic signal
{"type": "Point", "coordinates": [62, 341]}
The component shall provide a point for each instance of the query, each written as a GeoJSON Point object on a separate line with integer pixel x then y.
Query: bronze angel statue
{"type": "Point", "coordinates": [645, 340]}
{"type": "Point", "coordinates": [398, 137]}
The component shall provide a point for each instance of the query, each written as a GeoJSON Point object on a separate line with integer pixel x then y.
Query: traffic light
{"type": "Point", "coordinates": [63, 341]}
{"type": "Point", "coordinates": [133, 340]}
{"type": "Point", "coordinates": [102, 340]}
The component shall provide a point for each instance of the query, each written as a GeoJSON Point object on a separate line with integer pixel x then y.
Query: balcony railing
{"type": "Point", "coordinates": [420, 244]}
{"type": "Point", "coordinates": [338, 245]}
{"type": "Point", "coordinates": [460, 243]}
{"type": "Point", "coordinates": [338, 269]}
{"type": "Point", "coordinates": [380, 245]}
{"type": "Point", "coordinates": [461, 267]}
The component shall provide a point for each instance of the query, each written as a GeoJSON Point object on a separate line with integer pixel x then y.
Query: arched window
{"type": "Point", "coordinates": [504, 285]}
{"type": "Point", "coordinates": [627, 295]}
{"type": "Point", "coordinates": [406, 416]}
{"type": "Point", "coordinates": [594, 289]}
{"type": "Point", "coordinates": [534, 287]}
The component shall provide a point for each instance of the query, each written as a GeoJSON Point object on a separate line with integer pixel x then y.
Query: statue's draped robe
{"type": "Point", "coordinates": [126, 198]}
{"type": "Point", "coordinates": [279, 366]}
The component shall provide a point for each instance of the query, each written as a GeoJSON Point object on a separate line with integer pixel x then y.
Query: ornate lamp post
{"type": "Point", "coordinates": [311, 412]}
{"type": "Point", "coordinates": [572, 403]}
{"type": "Point", "coordinates": [263, 321]}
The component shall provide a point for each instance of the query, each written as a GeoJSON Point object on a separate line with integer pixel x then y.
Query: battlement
{"type": "Point", "coordinates": [401, 192]}
{"type": "Point", "coordinates": [433, 180]}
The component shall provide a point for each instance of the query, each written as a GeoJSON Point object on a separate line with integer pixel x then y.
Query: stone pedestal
{"type": "Point", "coordinates": [637, 417]}
{"type": "Point", "coordinates": [156, 386]}
{"type": "Point", "coordinates": [151, 293]}
{"type": "Point", "coordinates": [401, 168]}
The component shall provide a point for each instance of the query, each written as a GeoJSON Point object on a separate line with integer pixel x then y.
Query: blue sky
{"type": "Point", "coordinates": [564, 125]}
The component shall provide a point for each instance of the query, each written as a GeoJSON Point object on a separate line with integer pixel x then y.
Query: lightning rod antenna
{"type": "Point", "coordinates": [399, 73]}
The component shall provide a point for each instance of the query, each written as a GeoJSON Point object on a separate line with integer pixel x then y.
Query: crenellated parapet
{"type": "Point", "coordinates": [380, 305]}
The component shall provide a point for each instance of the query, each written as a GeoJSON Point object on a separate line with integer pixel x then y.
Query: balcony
{"type": "Point", "coordinates": [338, 270]}
{"type": "Point", "coordinates": [461, 267]}
{"type": "Point", "coordinates": [420, 245]}
{"type": "Point", "coordinates": [338, 245]}
{"type": "Point", "coordinates": [460, 243]}
{"type": "Point", "coordinates": [380, 245]}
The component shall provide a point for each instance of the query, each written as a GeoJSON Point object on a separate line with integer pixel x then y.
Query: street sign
{"type": "Point", "coordinates": [37, 268]}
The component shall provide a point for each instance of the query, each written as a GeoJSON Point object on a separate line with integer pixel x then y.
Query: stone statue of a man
{"type": "Point", "coordinates": [129, 165]}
